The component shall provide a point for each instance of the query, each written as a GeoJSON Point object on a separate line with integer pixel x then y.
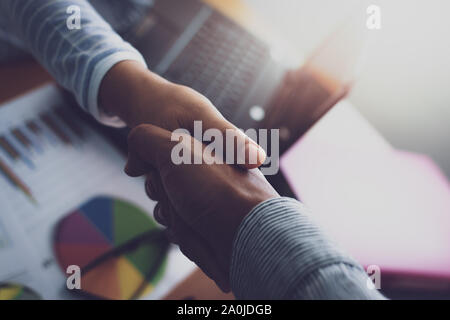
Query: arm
{"type": "Point", "coordinates": [77, 59]}
{"type": "Point", "coordinates": [280, 254]}
{"type": "Point", "coordinates": [107, 75]}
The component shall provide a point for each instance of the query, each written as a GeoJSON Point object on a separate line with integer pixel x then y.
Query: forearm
{"type": "Point", "coordinates": [280, 254]}
{"type": "Point", "coordinates": [77, 59]}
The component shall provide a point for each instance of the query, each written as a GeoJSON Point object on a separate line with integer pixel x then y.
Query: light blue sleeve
{"type": "Point", "coordinates": [280, 254]}
{"type": "Point", "coordinates": [79, 58]}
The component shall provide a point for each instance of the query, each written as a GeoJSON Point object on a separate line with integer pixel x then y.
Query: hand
{"type": "Point", "coordinates": [139, 96]}
{"type": "Point", "coordinates": [201, 205]}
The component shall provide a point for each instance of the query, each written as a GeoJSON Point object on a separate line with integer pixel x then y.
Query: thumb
{"type": "Point", "coordinates": [149, 148]}
{"type": "Point", "coordinates": [237, 145]}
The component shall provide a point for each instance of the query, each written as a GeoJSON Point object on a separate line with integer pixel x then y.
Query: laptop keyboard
{"type": "Point", "coordinates": [221, 61]}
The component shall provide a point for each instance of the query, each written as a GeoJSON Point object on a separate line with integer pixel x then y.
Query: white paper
{"type": "Point", "coordinates": [61, 177]}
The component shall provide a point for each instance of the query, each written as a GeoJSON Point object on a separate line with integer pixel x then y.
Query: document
{"type": "Point", "coordinates": [53, 162]}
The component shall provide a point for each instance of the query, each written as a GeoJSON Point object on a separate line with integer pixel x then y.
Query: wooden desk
{"type": "Point", "coordinates": [20, 77]}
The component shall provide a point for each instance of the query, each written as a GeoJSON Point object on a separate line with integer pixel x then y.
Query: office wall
{"type": "Point", "coordinates": [404, 89]}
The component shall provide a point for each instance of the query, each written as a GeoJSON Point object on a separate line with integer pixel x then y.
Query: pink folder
{"type": "Point", "coordinates": [384, 207]}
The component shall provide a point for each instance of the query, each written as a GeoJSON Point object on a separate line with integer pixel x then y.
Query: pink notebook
{"type": "Point", "coordinates": [385, 207]}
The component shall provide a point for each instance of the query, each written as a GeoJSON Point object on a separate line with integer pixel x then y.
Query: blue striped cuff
{"type": "Point", "coordinates": [277, 248]}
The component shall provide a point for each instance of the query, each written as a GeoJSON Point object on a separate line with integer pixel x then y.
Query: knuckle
{"type": "Point", "coordinates": [135, 133]}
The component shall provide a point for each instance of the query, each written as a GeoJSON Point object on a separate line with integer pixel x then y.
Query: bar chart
{"type": "Point", "coordinates": [45, 151]}
{"type": "Point", "coordinates": [25, 142]}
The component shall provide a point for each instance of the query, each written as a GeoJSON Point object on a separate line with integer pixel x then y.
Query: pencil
{"type": "Point", "coordinates": [15, 180]}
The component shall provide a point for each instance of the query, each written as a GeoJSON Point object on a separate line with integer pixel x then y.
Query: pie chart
{"type": "Point", "coordinates": [99, 226]}
{"type": "Point", "coordinates": [10, 291]}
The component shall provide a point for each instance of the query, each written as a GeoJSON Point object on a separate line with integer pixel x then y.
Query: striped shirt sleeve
{"type": "Point", "coordinates": [280, 254]}
{"type": "Point", "coordinates": [79, 58]}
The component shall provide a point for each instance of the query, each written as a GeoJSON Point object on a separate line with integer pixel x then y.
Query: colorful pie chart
{"type": "Point", "coordinates": [10, 291]}
{"type": "Point", "coordinates": [99, 226]}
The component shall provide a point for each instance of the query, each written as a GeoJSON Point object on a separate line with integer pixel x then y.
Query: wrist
{"type": "Point", "coordinates": [130, 91]}
{"type": "Point", "coordinates": [240, 205]}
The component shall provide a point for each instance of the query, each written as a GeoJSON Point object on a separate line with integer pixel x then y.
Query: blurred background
{"type": "Point", "coordinates": [404, 87]}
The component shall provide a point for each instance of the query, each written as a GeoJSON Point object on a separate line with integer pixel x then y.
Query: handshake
{"type": "Point", "coordinates": [202, 204]}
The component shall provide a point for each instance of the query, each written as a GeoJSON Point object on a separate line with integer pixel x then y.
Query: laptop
{"type": "Point", "coordinates": [190, 43]}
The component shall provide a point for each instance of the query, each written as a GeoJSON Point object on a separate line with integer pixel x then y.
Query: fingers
{"type": "Point", "coordinates": [154, 187]}
{"type": "Point", "coordinates": [196, 249]}
{"type": "Point", "coordinates": [159, 216]}
{"type": "Point", "coordinates": [155, 191]}
{"type": "Point", "coordinates": [191, 244]}
{"type": "Point", "coordinates": [243, 152]}
{"type": "Point", "coordinates": [149, 147]}
{"type": "Point", "coordinates": [135, 166]}
{"type": "Point", "coordinates": [150, 190]}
